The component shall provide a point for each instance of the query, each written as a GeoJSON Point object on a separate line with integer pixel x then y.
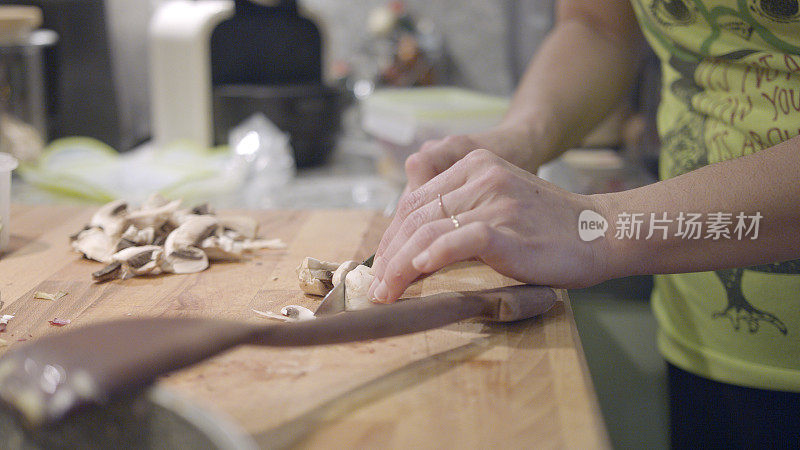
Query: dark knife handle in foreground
{"type": "Point", "coordinates": [48, 378]}
{"type": "Point", "coordinates": [412, 315]}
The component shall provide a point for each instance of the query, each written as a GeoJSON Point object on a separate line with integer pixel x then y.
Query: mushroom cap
{"type": "Point", "coordinates": [356, 290]}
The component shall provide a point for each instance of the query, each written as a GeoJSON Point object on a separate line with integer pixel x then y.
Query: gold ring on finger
{"type": "Point", "coordinates": [441, 205]}
{"type": "Point", "coordinates": [455, 221]}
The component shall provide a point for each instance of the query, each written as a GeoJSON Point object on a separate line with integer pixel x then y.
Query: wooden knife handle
{"type": "Point", "coordinates": [410, 316]}
{"type": "Point", "coordinates": [511, 303]}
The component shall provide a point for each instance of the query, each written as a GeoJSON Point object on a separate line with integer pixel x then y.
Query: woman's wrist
{"type": "Point", "coordinates": [616, 257]}
{"type": "Point", "coordinates": [523, 139]}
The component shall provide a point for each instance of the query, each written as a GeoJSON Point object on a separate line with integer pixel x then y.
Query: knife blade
{"type": "Point", "coordinates": [334, 300]}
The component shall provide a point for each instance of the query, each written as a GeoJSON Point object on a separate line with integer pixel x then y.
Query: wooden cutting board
{"type": "Point", "coordinates": [469, 385]}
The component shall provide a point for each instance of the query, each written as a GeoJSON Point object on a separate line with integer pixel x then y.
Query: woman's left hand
{"type": "Point", "coordinates": [517, 223]}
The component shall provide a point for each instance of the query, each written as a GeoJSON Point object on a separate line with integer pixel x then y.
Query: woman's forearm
{"type": "Point", "coordinates": [751, 205]}
{"type": "Point", "coordinates": [579, 74]}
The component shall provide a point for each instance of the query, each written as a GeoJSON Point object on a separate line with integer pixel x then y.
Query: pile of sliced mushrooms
{"type": "Point", "coordinates": [319, 277]}
{"type": "Point", "coordinates": [162, 237]}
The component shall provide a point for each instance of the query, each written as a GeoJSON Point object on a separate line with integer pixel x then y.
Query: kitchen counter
{"type": "Point", "coordinates": [468, 385]}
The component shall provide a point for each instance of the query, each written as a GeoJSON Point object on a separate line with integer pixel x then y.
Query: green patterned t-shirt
{"type": "Point", "coordinates": [731, 87]}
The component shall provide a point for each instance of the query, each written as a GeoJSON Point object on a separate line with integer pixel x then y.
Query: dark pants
{"type": "Point", "coordinates": [709, 414]}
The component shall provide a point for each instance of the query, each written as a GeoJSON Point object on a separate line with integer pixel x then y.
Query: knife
{"type": "Point", "coordinates": [48, 379]}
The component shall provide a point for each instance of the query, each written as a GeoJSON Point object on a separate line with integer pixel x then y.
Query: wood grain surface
{"type": "Point", "coordinates": [469, 385]}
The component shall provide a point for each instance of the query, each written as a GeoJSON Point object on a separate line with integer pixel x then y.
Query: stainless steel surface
{"type": "Point", "coordinates": [156, 419]}
{"type": "Point", "coordinates": [333, 302]}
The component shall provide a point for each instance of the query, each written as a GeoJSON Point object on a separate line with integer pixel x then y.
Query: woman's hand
{"type": "Point", "coordinates": [515, 222]}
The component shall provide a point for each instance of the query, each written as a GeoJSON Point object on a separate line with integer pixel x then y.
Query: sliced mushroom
{"type": "Point", "coordinates": [258, 244]}
{"type": "Point", "coordinates": [73, 237]}
{"type": "Point", "coordinates": [179, 217]}
{"type": "Point", "coordinates": [139, 260]}
{"type": "Point", "coordinates": [154, 201]}
{"type": "Point", "coordinates": [162, 232]}
{"type": "Point", "coordinates": [182, 254]}
{"type": "Point", "coordinates": [202, 209]}
{"type": "Point", "coordinates": [153, 213]}
{"type": "Point", "coordinates": [341, 271]}
{"type": "Point", "coordinates": [185, 260]}
{"type": "Point", "coordinates": [95, 244]}
{"type": "Point", "coordinates": [222, 248]}
{"type": "Point", "coordinates": [315, 276]}
{"type": "Point", "coordinates": [111, 218]}
{"type": "Point", "coordinates": [124, 243]}
{"type": "Point", "coordinates": [297, 313]}
{"type": "Point", "coordinates": [356, 288]}
{"type": "Point", "coordinates": [109, 272]}
{"type": "Point", "coordinates": [139, 237]}
{"type": "Point", "coordinates": [191, 233]}
{"type": "Point", "coordinates": [244, 227]}
{"type": "Point", "coordinates": [161, 236]}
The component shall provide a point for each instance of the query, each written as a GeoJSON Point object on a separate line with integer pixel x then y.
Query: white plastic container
{"type": "Point", "coordinates": [7, 164]}
{"type": "Point", "coordinates": [180, 70]}
{"type": "Point", "coordinates": [405, 118]}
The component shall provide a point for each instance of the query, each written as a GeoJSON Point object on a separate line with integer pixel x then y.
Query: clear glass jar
{"type": "Point", "coordinates": [23, 116]}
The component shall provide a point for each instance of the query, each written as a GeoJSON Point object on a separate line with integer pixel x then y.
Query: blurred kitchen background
{"type": "Point", "coordinates": [310, 104]}
{"type": "Point", "coordinates": [145, 74]}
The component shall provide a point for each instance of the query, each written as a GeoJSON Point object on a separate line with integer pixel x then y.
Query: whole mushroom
{"type": "Point", "coordinates": [356, 288]}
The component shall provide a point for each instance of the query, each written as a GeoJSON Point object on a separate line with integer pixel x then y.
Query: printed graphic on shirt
{"type": "Point", "coordinates": [739, 309]}
{"type": "Point", "coordinates": [732, 82]}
